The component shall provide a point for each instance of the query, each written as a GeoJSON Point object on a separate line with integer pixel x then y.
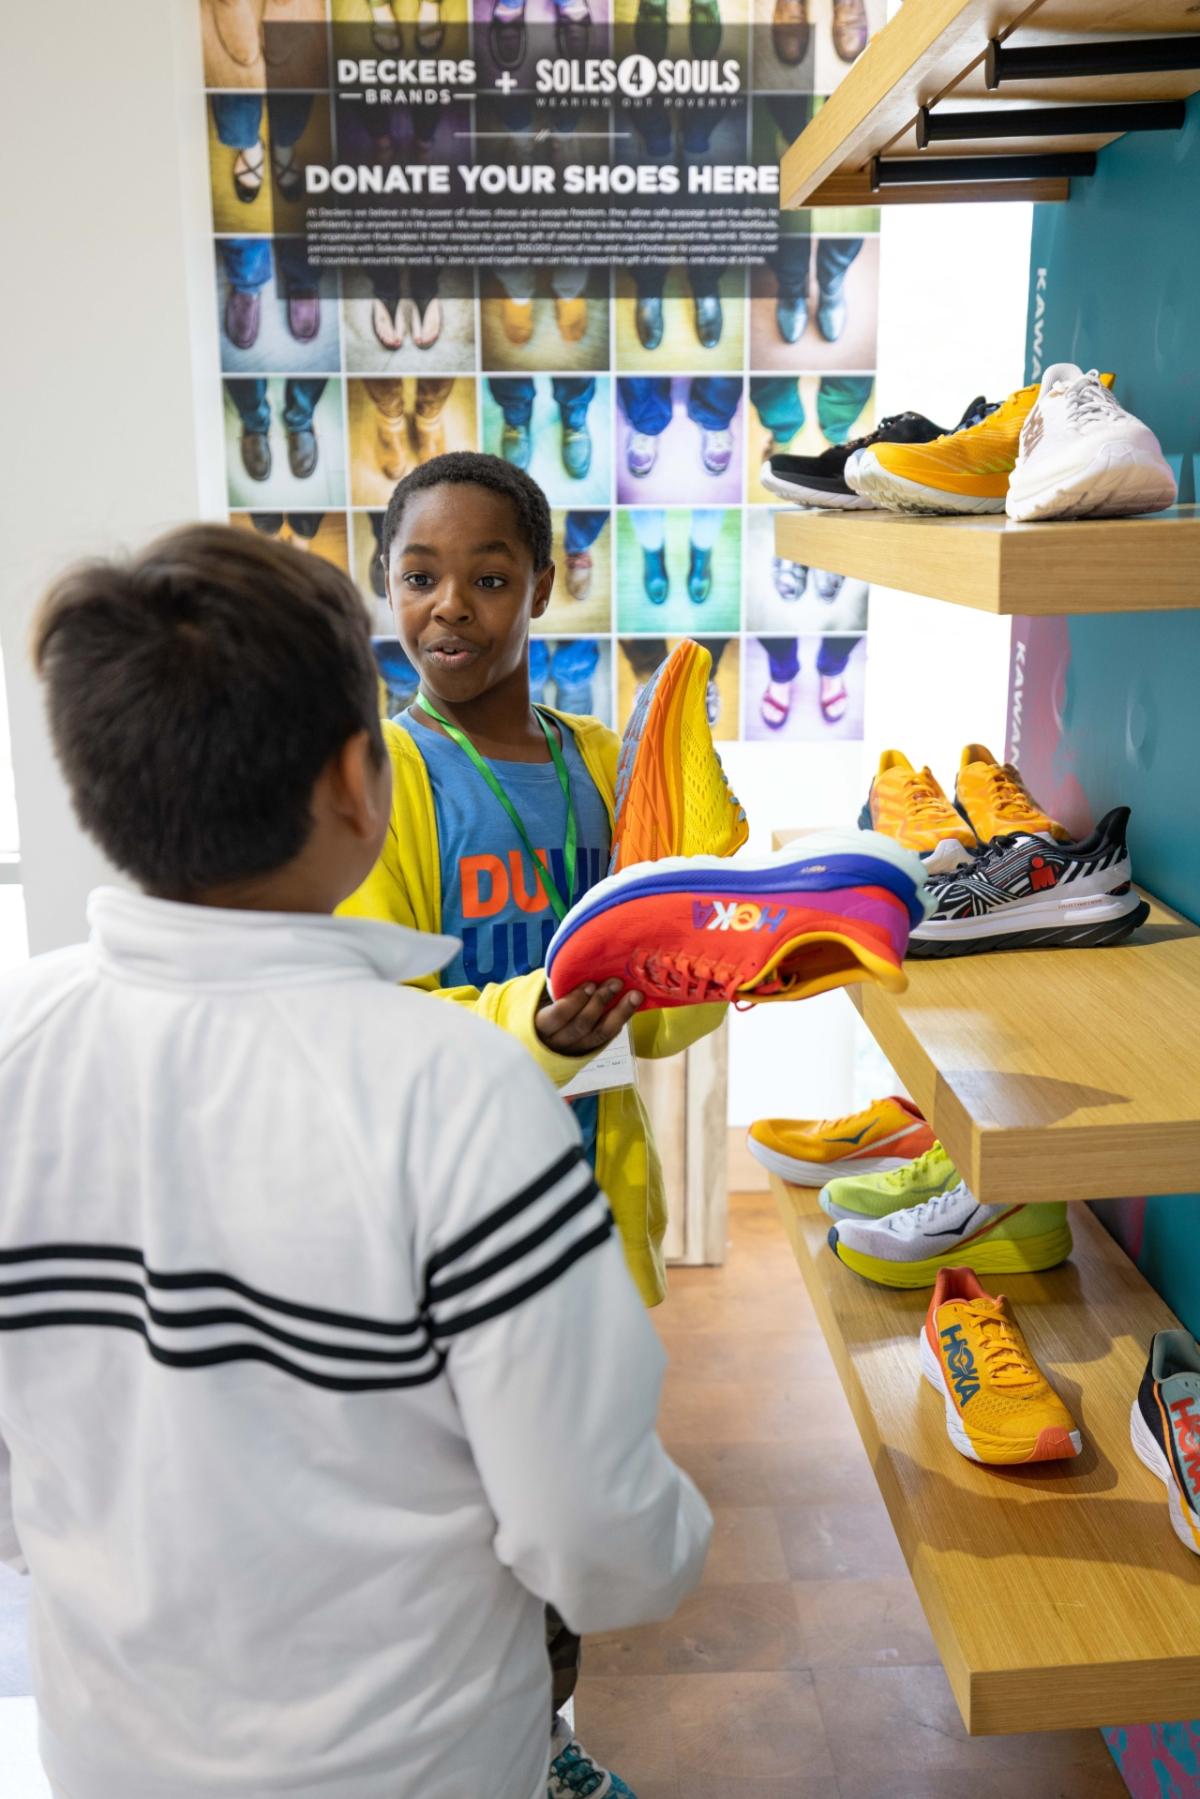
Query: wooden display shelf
{"type": "Point", "coordinates": [1149, 564]}
{"type": "Point", "coordinates": [932, 53]}
{"type": "Point", "coordinates": [1058, 1595]}
{"type": "Point", "coordinates": [1055, 1074]}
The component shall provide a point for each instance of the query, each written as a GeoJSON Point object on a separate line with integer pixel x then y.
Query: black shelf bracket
{"type": "Point", "coordinates": [1114, 56]}
{"type": "Point", "coordinates": [1049, 121]}
{"type": "Point", "coordinates": [927, 171]}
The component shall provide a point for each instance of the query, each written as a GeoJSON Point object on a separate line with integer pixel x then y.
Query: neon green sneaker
{"type": "Point", "coordinates": [875, 1195]}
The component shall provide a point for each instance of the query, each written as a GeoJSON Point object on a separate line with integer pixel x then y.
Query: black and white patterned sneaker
{"type": "Point", "coordinates": [1024, 892]}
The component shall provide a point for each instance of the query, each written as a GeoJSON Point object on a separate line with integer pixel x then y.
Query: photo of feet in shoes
{"type": "Point", "coordinates": [678, 570]}
{"type": "Point", "coordinates": [582, 596]}
{"type": "Point", "coordinates": [284, 443]}
{"type": "Point", "coordinates": [810, 44]}
{"type": "Point", "coordinates": [409, 320]}
{"type": "Point", "coordinates": [641, 657]}
{"type": "Point", "coordinates": [782, 595]}
{"type": "Point", "coordinates": [681, 439]}
{"type": "Point", "coordinates": [261, 43]}
{"type": "Point", "coordinates": [554, 318]}
{"type": "Point", "coordinates": [512, 35]}
{"type": "Point", "coordinates": [558, 428]}
{"type": "Point", "coordinates": [404, 28]}
{"type": "Point", "coordinates": [395, 424]}
{"type": "Point", "coordinates": [806, 415]}
{"type": "Point", "coordinates": [815, 305]}
{"type": "Point", "coordinates": [275, 310]}
{"type": "Point", "coordinates": [672, 320]}
{"type": "Point", "coordinates": [322, 534]}
{"type": "Point", "coordinates": [805, 689]}
{"type": "Point", "coordinates": [258, 148]}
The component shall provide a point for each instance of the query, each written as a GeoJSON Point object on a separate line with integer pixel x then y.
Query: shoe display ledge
{"type": "Point", "coordinates": [1147, 564]}
{"type": "Point", "coordinates": [1058, 1594]}
{"type": "Point", "coordinates": [1055, 1074]}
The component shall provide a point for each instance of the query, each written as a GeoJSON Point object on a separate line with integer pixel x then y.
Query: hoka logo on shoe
{"type": "Point", "coordinates": [733, 915]}
{"type": "Point", "coordinates": [960, 1362]}
{"type": "Point", "coordinates": [1187, 1437]}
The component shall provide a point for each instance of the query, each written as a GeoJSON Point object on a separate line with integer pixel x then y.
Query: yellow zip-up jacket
{"type": "Point", "coordinates": [405, 888]}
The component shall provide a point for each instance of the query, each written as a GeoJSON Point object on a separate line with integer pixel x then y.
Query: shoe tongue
{"type": "Point", "coordinates": [1061, 374]}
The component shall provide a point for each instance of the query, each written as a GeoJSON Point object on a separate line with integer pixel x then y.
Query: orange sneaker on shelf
{"type": "Point", "coordinates": [994, 799]}
{"type": "Point", "coordinates": [833, 908]}
{"type": "Point", "coordinates": [672, 795]}
{"type": "Point", "coordinates": [887, 1135]}
{"type": "Point", "coordinates": [908, 805]}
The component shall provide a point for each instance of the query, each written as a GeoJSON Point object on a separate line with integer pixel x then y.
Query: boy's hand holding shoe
{"type": "Point", "coordinates": [582, 1022]}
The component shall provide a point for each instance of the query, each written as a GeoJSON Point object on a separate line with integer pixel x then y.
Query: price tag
{"type": "Point", "coordinates": [609, 1068]}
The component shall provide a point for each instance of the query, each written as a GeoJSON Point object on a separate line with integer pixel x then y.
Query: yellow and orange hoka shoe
{"type": "Point", "coordinates": [965, 471]}
{"type": "Point", "coordinates": [907, 805]}
{"type": "Point", "coordinates": [995, 800]}
{"type": "Point", "coordinates": [672, 795]}
{"type": "Point", "coordinates": [1000, 1408]}
{"type": "Point", "coordinates": [889, 1134]}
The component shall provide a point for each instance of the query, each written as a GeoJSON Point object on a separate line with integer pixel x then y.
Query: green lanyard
{"type": "Point", "coordinates": [571, 847]}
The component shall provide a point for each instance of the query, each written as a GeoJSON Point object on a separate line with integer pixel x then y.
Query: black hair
{"type": "Point", "coordinates": [195, 692]}
{"type": "Point", "coordinates": [462, 468]}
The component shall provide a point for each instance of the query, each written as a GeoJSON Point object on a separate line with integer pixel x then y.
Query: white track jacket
{"type": "Point", "coordinates": [320, 1369]}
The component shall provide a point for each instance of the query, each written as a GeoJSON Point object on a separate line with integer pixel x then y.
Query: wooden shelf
{"type": "Point", "coordinates": [1058, 1595]}
{"type": "Point", "coordinates": [931, 52]}
{"type": "Point", "coordinates": [1055, 1074]}
{"type": "Point", "coordinates": [1149, 564]}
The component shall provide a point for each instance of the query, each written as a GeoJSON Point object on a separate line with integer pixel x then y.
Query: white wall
{"type": "Point", "coordinates": [951, 325]}
{"type": "Point", "coordinates": [106, 434]}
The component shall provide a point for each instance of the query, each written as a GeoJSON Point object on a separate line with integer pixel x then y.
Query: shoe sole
{"type": "Point", "coordinates": [895, 493]}
{"type": "Point", "coordinates": [801, 495]}
{"type": "Point", "coordinates": [1052, 1444]}
{"type": "Point", "coordinates": [1184, 1521]}
{"type": "Point", "coordinates": [1004, 1255]}
{"type": "Point", "coordinates": [816, 1174]}
{"type": "Point", "coordinates": [1090, 924]}
{"type": "Point", "coordinates": [1118, 482]}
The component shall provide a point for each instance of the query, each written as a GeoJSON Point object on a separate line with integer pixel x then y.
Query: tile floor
{"type": "Point", "coordinates": [802, 1667]}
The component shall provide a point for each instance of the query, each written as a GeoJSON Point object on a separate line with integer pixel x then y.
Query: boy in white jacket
{"type": "Point", "coordinates": [320, 1369]}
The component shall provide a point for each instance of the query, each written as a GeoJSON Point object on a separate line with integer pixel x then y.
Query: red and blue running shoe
{"type": "Point", "coordinates": [834, 908]}
{"type": "Point", "coordinates": [1164, 1427]}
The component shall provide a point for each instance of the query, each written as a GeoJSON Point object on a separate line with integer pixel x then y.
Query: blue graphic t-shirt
{"type": "Point", "coordinates": [491, 897]}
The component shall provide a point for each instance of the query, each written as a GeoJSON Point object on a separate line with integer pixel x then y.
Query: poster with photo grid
{"type": "Point", "coordinates": [644, 398]}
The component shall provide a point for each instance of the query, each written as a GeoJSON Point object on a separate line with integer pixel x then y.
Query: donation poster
{"type": "Point", "coordinates": [549, 229]}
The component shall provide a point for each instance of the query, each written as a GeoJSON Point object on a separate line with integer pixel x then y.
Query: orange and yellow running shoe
{"type": "Point", "coordinates": [1000, 1408]}
{"type": "Point", "coordinates": [672, 795]}
{"type": "Point", "coordinates": [907, 805]}
{"type": "Point", "coordinates": [965, 471]}
{"type": "Point", "coordinates": [888, 1134]}
{"type": "Point", "coordinates": [994, 799]}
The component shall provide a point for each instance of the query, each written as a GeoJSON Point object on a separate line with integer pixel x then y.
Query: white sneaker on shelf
{"type": "Point", "coordinates": [1083, 456]}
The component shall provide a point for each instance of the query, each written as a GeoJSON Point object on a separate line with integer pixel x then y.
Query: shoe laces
{"type": "Point", "coordinates": [1008, 795]}
{"type": "Point", "coordinates": [696, 979]}
{"type": "Point", "coordinates": [1089, 402]}
{"type": "Point", "coordinates": [574, 1771]}
{"type": "Point", "coordinates": [927, 1212]}
{"type": "Point", "coordinates": [922, 798]}
{"type": "Point", "coordinates": [915, 1170]}
{"type": "Point", "coordinates": [1002, 1351]}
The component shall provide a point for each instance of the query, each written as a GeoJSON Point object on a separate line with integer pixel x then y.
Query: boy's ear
{"type": "Point", "coordinates": [356, 785]}
{"type": "Point", "coordinates": [542, 590]}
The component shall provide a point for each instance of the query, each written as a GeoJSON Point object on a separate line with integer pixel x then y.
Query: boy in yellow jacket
{"type": "Point", "coordinates": [482, 783]}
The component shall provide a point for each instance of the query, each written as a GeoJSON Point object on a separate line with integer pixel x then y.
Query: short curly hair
{"type": "Point", "coordinates": [461, 468]}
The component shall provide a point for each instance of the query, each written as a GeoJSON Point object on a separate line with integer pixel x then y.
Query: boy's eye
{"type": "Point", "coordinates": [417, 577]}
{"type": "Point", "coordinates": [491, 582]}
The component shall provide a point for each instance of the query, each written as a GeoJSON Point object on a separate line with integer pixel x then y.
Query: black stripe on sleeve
{"type": "Point", "coordinates": [517, 1295]}
{"type": "Point", "coordinates": [503, 1214]}
{"type": "Point", "coordinates": [447, 1289]}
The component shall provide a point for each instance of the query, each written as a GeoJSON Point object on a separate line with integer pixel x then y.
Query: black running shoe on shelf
{"type": "Point", "coordinates": [1164, 1425]}
{"type": "Point", "coordinates": [820, 480]}
{"type": "Point", "coordinates": [1023, 892]}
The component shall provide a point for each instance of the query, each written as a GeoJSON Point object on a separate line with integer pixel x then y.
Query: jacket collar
{"type": "Point", "coordinates": [166, 943]}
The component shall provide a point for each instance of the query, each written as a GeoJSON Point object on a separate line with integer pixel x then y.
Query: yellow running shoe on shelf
{"type": "Point", "coordinates": [1000, 1408]}
{"type": "Point", "coordinates": [954, 1229]}
{"type": "Point", "coordinates": [995, 800]}
{"type": "Point", "coordinates": [875, 1195]}
{"type": "Point", "coordinates": [907, 805]}
{"type": "Point", "coordinates": [672, 795]}
{"type": "Point", "coordinates": [887, 1135]}
{"type": "Point", "coordinates": [965, 471]}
